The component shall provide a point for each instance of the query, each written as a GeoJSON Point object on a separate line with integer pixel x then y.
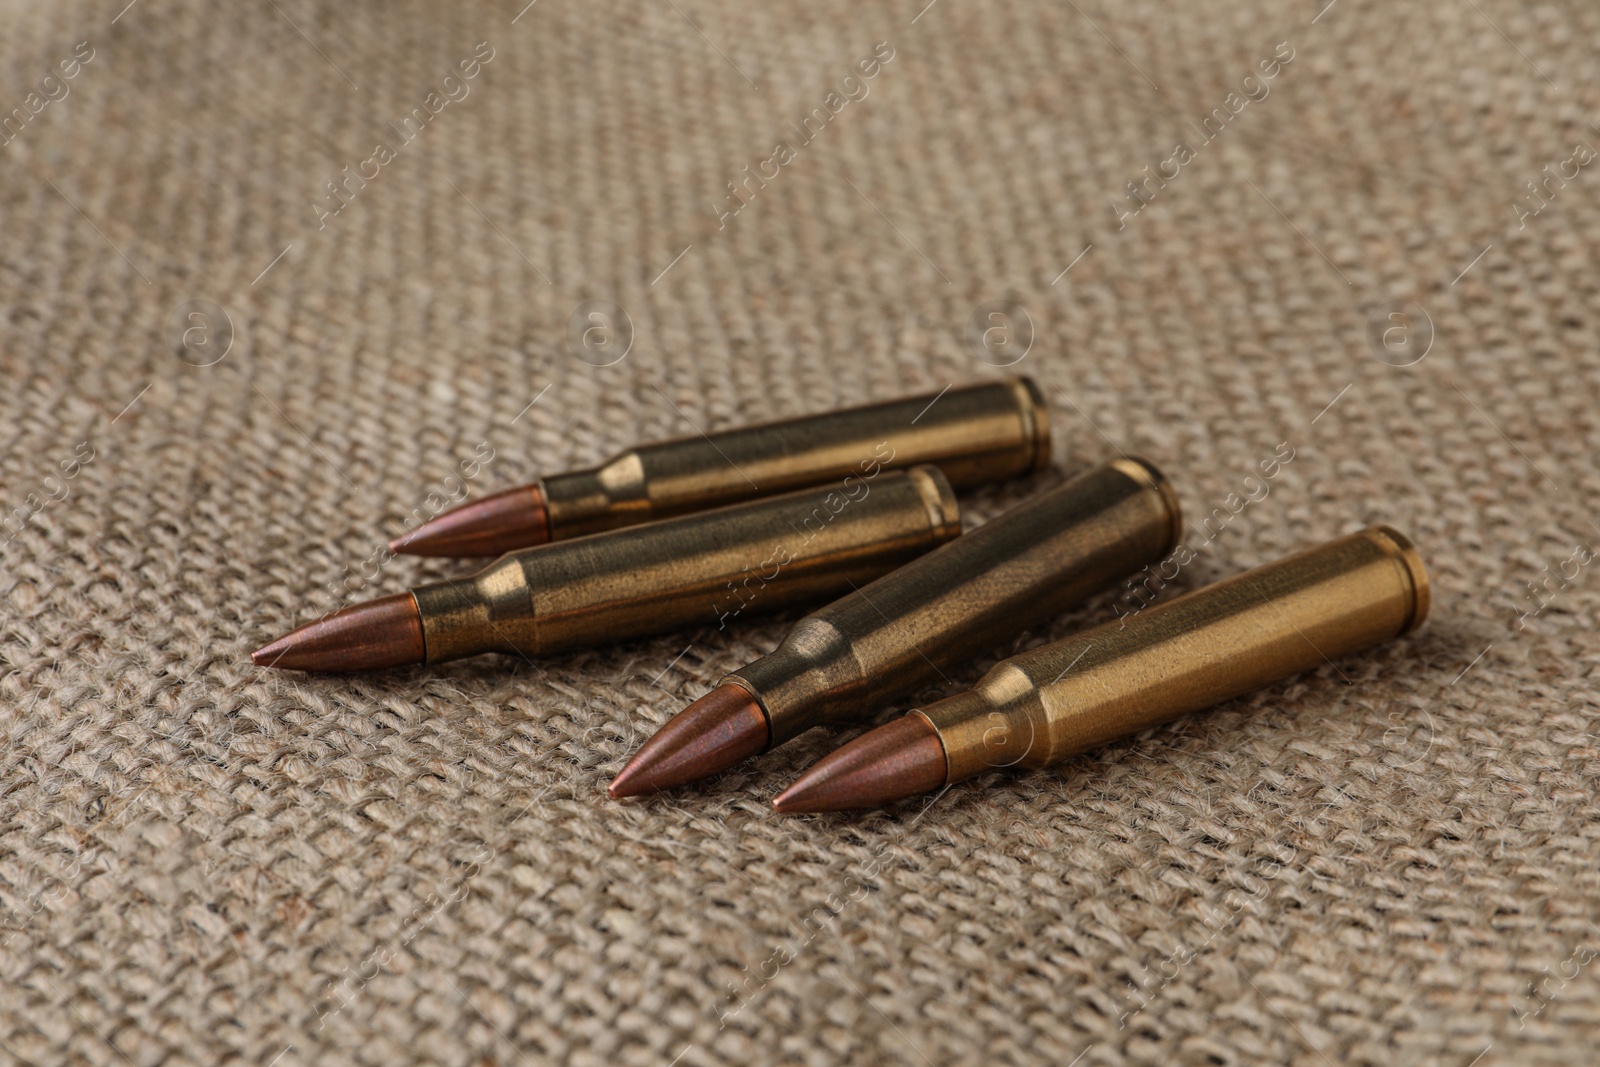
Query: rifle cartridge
{"type": "Point", "coordinates": [980, 433]}
{"type": "Point", "coordinates": [1054, 550]}
{"type": "Point", "coordinates": [1200, 649]}
{"type": "Point", "coordinates": [692, 570]}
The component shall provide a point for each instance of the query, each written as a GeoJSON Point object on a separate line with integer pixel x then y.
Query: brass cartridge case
{"type": "Point", "coordinates": [693, 570]}
{"type": "Point", "coordinates": [974, 434]}
{"type": "Point", "coordinates": [1200, 649]}
{"type": "Point", "coordinates": [843, 661]}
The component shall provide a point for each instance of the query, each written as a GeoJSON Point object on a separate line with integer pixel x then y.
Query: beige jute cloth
{"type": "Point", "coordinates": [276, 277]}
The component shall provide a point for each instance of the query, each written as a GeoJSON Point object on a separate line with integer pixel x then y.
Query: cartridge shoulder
{"type": "Point", "coordinates": [818, 641]}
{"type": "Point", "coordinates": [623, 475]}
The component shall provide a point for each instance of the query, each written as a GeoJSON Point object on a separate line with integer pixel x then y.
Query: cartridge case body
{"type": "Point", "coordinates": [843, 661]}
{"type": "Point", "coordinates": [974, 434]}
{"type": "Point", "coordinates": [1195, 651]}
{"type": "Point", "coordinates": [693, 570]}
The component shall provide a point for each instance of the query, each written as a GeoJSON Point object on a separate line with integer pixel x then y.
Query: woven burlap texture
{"type": "Point", "coordinates": [1361, 233]}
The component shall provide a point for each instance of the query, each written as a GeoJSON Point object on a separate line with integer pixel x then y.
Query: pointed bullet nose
{"type": "Point", "coordinates": [897, 760]}
{"type": "Point", "coordinates": [717, 731]}
{"type": "Point", "coordinates": [269, 654]}
{"type": "Point", "coordinates": [504, 522]}
{"type": "Point", "coordinates": [386, 632]}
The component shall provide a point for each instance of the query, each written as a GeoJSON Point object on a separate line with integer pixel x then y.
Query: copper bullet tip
{"type": "Point", "coordinates": [710, 735]}
{"type": "Point", "coordinates": [386, 632]}
{"type": "Point", "coordinates": [897, 760]}
{"type": "Point", "coordinates": [497, 524]}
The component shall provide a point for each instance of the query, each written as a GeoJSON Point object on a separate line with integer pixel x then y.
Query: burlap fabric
{"type": "Point", "coordinates": [227, 382]}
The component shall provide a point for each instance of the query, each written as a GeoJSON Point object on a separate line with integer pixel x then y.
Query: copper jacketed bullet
{"type": "Point", "coordinates": [708, 568]}
{"type": "Point", "coordinates": [1074, 695]}
{"type": "Point", "coordinates": [886, 639]}
{"type": "Point", "coordinates": [975, 434]}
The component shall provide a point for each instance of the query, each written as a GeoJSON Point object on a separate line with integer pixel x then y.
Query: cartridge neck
{"type": "Point", "coordinates": [491, 611]}
{"type": "Point", "coordinates": [607, 497]}
{"type": "Point", "coordinates": [810, 679]}
{"type": "Point", "coordinates": [991, 726]}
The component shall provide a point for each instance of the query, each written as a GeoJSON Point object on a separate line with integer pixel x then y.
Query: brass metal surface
{"type": "Point", "coordinates": [1202, 648]}
{"type": "Point", "coordinates": [974, 434]}
{"type": "Point", "coordinates": [844, 661]}
{"type": "Point", "coordinates": [703, 569]}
